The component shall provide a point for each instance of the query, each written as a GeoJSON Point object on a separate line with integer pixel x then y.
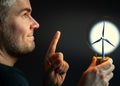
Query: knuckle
{"type": "Point", "coordinates": [99, 73]}
{"type": "Point", "coordinates": [59, 55]}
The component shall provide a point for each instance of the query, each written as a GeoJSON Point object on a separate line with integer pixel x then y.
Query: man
{"type": "Point", "coordinates": [16, 39]}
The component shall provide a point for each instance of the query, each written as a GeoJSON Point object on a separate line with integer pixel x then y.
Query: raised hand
{"type": "Point", "coordinates": [55, 65]}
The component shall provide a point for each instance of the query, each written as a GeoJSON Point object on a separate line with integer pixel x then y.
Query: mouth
{"type": "Point", "coordinates": [30, 37]}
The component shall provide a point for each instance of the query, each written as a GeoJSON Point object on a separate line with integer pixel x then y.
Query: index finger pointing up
{"type": "Point", "coordinates": [53, 44]}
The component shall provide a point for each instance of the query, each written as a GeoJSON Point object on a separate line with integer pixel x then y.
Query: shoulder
{"type": "Point", "coordinates": [10, 76]}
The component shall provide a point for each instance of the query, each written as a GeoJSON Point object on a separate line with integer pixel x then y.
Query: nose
{"type": "Point", "coordinates": [34, 24]}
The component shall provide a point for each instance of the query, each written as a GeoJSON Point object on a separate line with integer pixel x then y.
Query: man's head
{"type": "Point", "coordinates": [16, 27]}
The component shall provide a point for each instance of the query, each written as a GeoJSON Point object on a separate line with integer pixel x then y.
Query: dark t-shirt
{"type": "Point", "coordinates": [11, 76]}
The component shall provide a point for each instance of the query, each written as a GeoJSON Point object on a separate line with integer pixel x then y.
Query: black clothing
{"type": "Point", "coordinates": [11, 76]}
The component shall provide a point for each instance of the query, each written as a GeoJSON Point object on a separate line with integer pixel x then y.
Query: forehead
{"type": "Point", "coordinates": [23, 2]}
{"type": "Point", "coordinates": [19, 4]}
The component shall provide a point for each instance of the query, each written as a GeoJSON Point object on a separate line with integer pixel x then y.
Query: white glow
{"type": "Point", "coordinates": [111, 33]}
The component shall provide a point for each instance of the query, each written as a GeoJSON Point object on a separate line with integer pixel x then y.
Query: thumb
{"type": "Point", "coordinates": [93, 62]}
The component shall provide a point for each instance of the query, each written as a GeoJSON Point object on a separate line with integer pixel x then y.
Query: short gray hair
{"type": "Point", "coordinates": [4, 8]}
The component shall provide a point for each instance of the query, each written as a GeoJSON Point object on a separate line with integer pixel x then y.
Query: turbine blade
{"type": "Point", "coordinates": [109, 42]}
{"type": "Point", "coordinates": [96, 41]}
{"type": "Point", "coordinates": [103, 29]}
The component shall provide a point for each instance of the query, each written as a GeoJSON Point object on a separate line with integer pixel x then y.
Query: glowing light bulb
{"type": "Point", "coordinates": [111, 35]}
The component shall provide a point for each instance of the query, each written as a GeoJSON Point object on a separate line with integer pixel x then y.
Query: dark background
{"type": "Point", "coordinates": [74, 20]}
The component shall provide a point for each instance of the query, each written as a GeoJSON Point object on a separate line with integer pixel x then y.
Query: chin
{"type": "Point", "coordinates": [26, 48]}
{"type": "Point", "coordinates": [24, 51]}
{"type": "Point", "coordinates": [31, 48]}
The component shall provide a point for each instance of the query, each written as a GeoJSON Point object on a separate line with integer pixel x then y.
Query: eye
{"type": "Point", "coordinates": [25, 15]}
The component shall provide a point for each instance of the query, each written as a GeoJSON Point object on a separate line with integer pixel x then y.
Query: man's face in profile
{"type": "Point", "coordinates": [18, 29]}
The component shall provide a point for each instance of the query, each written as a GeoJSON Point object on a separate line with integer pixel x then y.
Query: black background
{"type": "Point", "coordinates": [74, 20]}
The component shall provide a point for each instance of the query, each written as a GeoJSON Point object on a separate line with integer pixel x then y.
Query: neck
{"type": "Point", "coordinates": [7, 59]}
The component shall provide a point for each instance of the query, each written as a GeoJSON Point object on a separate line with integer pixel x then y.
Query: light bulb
{"type": "Point", "coordinates": [111, 34]}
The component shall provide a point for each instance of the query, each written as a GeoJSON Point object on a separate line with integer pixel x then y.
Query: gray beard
{"type": "Point", "coordinates": [11, 46]}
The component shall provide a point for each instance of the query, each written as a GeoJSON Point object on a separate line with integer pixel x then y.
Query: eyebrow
{"type": "Point", "coordinates": [25, 9]}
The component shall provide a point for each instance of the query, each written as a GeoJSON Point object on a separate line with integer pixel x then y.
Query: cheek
{"type": "Point", "coordinates": [19, 29]}
{"type": "Point", "coordinates": [19, 32]}
{"type": "Point", "coordinates": [20, 26]}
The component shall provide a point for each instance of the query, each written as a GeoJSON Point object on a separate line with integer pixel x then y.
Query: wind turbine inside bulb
{"type": "Point", "coordinates": [103, 40]}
